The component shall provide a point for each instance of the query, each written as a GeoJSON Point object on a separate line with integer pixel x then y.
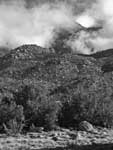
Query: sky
{"type": "Point", "coordinates": [40, 21]}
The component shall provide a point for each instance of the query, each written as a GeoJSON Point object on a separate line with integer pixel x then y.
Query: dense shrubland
{"type": "Point", "coordinates": [52, 90]}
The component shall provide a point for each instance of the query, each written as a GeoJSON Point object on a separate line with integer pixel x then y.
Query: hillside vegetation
{"type": "Point", "coordinates": [39, 88]}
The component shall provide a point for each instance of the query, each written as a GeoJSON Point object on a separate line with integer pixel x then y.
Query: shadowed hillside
{"type": "Point", "coordinates": [54, 89]}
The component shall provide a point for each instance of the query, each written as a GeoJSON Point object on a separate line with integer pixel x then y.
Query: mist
{"type": "Point", "coordinates": [20, 25]}
{"type": "Point", "coordinates": [37, 22]}
{"type": "Point", "coordinates": [100, 14]}
{"type": "Point", "coordinates": [40, 21]}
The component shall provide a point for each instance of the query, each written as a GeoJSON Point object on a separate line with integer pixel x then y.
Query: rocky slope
{"type": "Point", "coordinates": [59, 77]}
{"type": "Point", "coordinates": [56, 73]}
{"type": "Point", "coordinates": [32, 62]}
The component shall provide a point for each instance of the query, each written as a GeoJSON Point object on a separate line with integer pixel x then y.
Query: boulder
{"type": "Point", "coordinates": [86, 126]}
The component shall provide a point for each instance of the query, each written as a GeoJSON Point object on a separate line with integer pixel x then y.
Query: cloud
{"type": "Point", "coordinates": [102, 13]}
{"type": "Point", "coordinates": [35, 25]}
{"type": "Point", "coordinates": [41, 21]}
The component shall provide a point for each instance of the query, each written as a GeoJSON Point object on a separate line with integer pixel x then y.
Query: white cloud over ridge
{"type": "Point", "coordinates": [38, 22]}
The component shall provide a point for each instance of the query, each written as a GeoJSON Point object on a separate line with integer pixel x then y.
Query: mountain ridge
{"type": "Point", "coordinates": [49, 80]}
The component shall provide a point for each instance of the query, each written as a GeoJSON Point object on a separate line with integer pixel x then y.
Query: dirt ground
{"type": "Point", "coordinates": [56, 140]}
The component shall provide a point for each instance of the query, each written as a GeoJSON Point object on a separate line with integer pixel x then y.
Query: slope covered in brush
{"type": "Point", "coordinates": [105, 59]}
{"type": "Point", "coordinates": [54, 89]}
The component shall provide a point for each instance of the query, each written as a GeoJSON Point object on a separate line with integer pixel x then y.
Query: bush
{"type": "Point", "coordinates": [86, 98]}
{"type": "Point", "coordinates": [13, 127]}
{"type": "Point", "coordinates": [44, 113]}
{"type": "Point", "coordinates": [11, 116]}
{"type": "Point", "coordinates": [86, 103]}
{"type": "Point", "coordinates": [39, 108]}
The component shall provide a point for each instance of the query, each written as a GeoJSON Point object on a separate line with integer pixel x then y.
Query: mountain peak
{"type": "Point", "coordinates": [29, 51]}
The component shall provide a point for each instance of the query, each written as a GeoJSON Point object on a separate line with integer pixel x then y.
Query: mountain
{"type": "Point", "coordinates": [32, 62]}
{"type": "Point", "coordinates": [35, 58]}
{"type": "Point", "coordinates": [40, 79]}
{"type": "Point", "coordinates": [103, 53]}
{"type": "Point", "coordinates": [105, 59]}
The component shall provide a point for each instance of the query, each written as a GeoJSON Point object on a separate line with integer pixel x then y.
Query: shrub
{"type": "Point", "coordinates": [13, 127]}
{"type": "Point", "coordinates": [11, 116]}
{"type": "Point", "coordinates": [44, 112]}
{"type": "Point", "coordinates": [93, 105]}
